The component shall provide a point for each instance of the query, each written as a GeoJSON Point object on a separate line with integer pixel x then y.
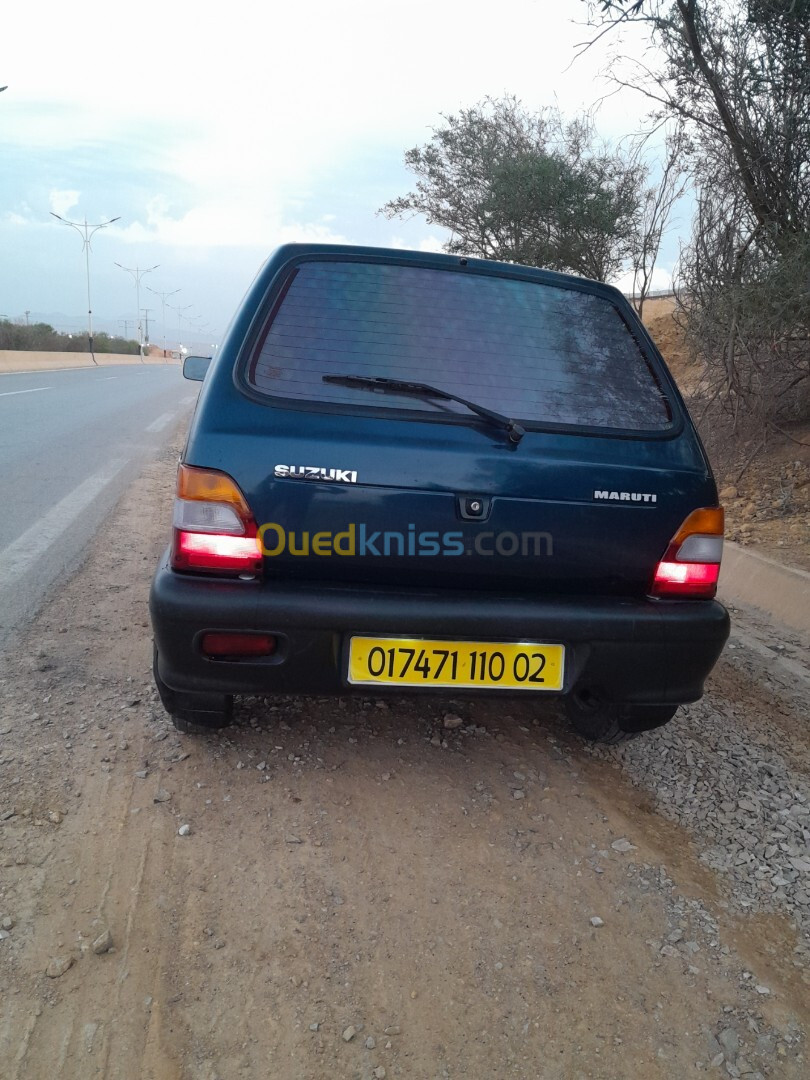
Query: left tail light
{"type": "Point", "coordinates": [214, 530]}
{"type": "Point", "coordinates": [691, 564]}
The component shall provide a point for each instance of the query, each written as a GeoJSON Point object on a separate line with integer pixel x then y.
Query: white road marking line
{"type": "Point", "coordinates": [26, 550]}
{"type": "Point", "coordinates": [161, 422]}
{"type": "Point", "coordinates": [188, 400]}
{"type": "Point", "coordinates": [109, 378]}
{"type": "Point", "coordinates": [33, 390]}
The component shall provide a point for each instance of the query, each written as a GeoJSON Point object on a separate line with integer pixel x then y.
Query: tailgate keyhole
{"type": "Point", "coordinates": [473, 507]}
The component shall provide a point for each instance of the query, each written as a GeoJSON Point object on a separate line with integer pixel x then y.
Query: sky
{"type": "Point", "coordinates": [215, 134]}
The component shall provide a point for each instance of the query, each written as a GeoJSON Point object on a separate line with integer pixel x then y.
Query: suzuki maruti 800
{"type": "Point", "coordinates": [415, 473]}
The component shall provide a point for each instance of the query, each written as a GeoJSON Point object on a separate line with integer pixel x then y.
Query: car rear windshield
{"type": "Point", "coordinates": [536, 352]}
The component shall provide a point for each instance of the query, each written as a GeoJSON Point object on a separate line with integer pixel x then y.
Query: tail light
{"type": "Point", "coordinates": [691, 564]}
{"type": "Point", "coordinates": [214, 529]}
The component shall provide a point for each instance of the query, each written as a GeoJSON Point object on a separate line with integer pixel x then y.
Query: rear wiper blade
{"type": "Point", "coordinates": [514, 430]}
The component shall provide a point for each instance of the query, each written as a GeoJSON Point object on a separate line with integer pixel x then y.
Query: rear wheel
{"type": "Point", "coordinates": [613, 722]}
{"type": "Point", "coordinates": [197, 722]}
{"type": "Point", "coordinates": [193, 713]}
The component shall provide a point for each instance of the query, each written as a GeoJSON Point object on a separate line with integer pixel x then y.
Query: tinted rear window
{"type": "Point", "coordinates": [535, 352]}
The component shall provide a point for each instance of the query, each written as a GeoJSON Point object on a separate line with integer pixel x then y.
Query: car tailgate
{"type": "Point", "coordinates": [561, 513]}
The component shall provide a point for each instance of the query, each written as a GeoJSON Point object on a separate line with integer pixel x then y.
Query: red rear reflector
{"type": "Point", "coordinates": [686, 579]}
{"type": "Point", "coordinates": [227, 643]}
{"type": "Point", "coordinates": [216, 551]}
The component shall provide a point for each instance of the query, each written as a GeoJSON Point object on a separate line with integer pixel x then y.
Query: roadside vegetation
{"type": "Point", "coordinates": [40, 337]}
{"type": "Point", "coordinates": [531, 188]}
{"type": "Point", "coordinates": [728, 133]}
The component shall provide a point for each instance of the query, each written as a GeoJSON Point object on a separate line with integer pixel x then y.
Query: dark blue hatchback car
{"type": "Point", "coordinates": [432, 474]}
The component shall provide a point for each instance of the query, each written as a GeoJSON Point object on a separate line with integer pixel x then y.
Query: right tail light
{"type": "Point", "coordinates": [691, 564]}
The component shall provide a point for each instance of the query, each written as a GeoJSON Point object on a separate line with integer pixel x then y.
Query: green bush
{"type": "Point", "coordinates": [40, 337]}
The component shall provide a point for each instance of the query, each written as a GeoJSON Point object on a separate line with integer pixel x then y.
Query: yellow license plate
{"type": "Point", "coordinates": [503, 665]}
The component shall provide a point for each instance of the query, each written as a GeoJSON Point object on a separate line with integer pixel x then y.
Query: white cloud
{"type": "Point", "coordinates": [431, 243]}
{"type": "Point", "coordinates": [428, 243]}
{"type": "Point", "coordinates": [252, 125]}
{"type": "Point", "coordinates": [61, 202]}
{"type": "Point", "coordinates": [661, 279]}
{"type": "Point", "coordinates": [309, 233]}
{"type": "Point", "coordinates": [283, 88]}
{"type": "Point", "coordinates": [222, 223]}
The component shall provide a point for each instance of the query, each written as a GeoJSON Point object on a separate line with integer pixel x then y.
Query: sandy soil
{"type": "Point", "coordinates": [350, 864]}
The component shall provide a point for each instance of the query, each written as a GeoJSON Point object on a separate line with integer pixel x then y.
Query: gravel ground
{"type": "Point", "coordinates": [743, 792]}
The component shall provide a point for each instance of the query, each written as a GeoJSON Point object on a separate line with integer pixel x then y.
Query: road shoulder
{"type": "Point", "coordinates": [363, 887]}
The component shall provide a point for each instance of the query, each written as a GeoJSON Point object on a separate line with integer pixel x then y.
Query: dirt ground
{"type": "Point", "coordinates": [361, 892]}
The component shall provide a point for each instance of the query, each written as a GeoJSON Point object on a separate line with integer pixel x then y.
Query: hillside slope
{"type": "Point", "coordinates": [765, 489]}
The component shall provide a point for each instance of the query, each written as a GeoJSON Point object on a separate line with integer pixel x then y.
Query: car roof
{"type": "Point", "coordinates": [294, 252]}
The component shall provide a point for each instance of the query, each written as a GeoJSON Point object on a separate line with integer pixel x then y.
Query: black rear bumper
{"type": "Point", "coordinates": [633, 650]}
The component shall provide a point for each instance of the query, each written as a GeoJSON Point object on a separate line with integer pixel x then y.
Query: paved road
{"type": "Point", "coordinates": [69, 442]}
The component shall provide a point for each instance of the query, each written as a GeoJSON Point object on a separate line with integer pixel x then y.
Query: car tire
{"type": "Point", "coordinates": [193, 722]}
{"type": "Point", "coordinates": [613, 722]}
{"type": "Point", "coordinates": [193, 713]}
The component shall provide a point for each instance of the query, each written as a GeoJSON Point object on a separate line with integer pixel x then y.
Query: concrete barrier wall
{"type": "Point", "coordinates": [19, 360]}
{"type": "Point", "coordinates": [748, 579]}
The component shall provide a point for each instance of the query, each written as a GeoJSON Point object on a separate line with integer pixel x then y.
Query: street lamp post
{"type": "Point", "coordinates": [163, 298]}
{"type": "Point", "coordinates": [180, 316]}
{"type": "Point", "coordinates": [137, 274]}
{"type": "Point", "coordinates": [203, 328]}
{"type": "Point", "coordinates": [87, 232]}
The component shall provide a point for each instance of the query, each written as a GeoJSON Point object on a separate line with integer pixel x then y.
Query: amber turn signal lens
{"type": "Point", "coordinates": [210, 485]}
{"type": "Point", "coordinates": [708, 521]}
